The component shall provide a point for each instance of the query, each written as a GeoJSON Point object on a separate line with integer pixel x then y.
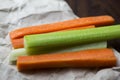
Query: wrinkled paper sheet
{"type": "Point", "coordinates": [21, 13]}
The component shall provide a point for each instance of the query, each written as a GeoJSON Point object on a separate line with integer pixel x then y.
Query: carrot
{"type": "Point", "coordinates": [80, 28]}
{"type": "Point", "coordinates": [86, 58]}
{"type": "Point", "coordinates": [96, 20]}
{"type": "Point", "coordinates": [18, 42]}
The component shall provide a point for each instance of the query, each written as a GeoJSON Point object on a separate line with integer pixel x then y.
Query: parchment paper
{"type": "Point", "coordinates": [22, 13]}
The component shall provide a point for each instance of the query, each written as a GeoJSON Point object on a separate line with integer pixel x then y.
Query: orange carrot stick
{"type": "Point", "coordinates": [18, 42]}
{"type": "Point", "coordinates": [80, 28]}
{"type": "Point", "coordinates": [86, 58]}
{"type": "Point", "coordinates": [96, 20]}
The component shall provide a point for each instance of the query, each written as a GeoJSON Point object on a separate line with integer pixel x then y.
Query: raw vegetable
{"type": "Point", "coordinates": [79, 28]}
{"type": "Point", "coordinates": [18, 42]}
{"type": "Point", "coordinates": [35, 44]}
{"type": "Point", "coordinates": [86, 21]}
{"type": "Point", "coordinates": [15, 53]}
{"type": "Point", "coordinates": [21, 51]}
{"type": "Point", "coordinates": [86, 58]}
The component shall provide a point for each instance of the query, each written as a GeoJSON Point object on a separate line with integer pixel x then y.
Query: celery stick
{"type": "Point", "coordinates": [16, 53]}
{"type": "Point", "coordinates": [22, 52]}
{"type": "Point", "coordinates": [35, 44]}
{"type": "Point", "coordinates": [70, 48]}
{"type": "Point", "coordinates": [96, 45]}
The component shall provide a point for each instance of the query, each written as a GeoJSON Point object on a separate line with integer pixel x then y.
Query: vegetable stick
{"type": "Point", "coordinates": [21, 51]}
{"type": "Point", "coordinates": [15, 53]}
{"type": "Point", "coordinates": [39, 43]}
{"type": "Point", "coordinates": [86, 58]}
{"type": "Point", "coordinates": [18, 42]}
{"type": "Point", "coordinates": [95, 20]}
{"type": "Point", "coordinates": [79, 28]}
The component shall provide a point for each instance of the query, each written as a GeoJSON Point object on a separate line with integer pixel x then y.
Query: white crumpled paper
{"type": "Point", "coordinates": [21, 13]}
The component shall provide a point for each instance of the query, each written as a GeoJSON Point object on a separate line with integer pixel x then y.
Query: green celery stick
{"type": "Point", "coordinates": [96, 45]}
{"type": "Point", "coordinates": [70, 48]}
{"type": "Point", "coordinates": [37, 44]}
{"type": "Point", "coordinates": [22, 52]}
{"type": "Point", "coordinates": [16, 53]}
